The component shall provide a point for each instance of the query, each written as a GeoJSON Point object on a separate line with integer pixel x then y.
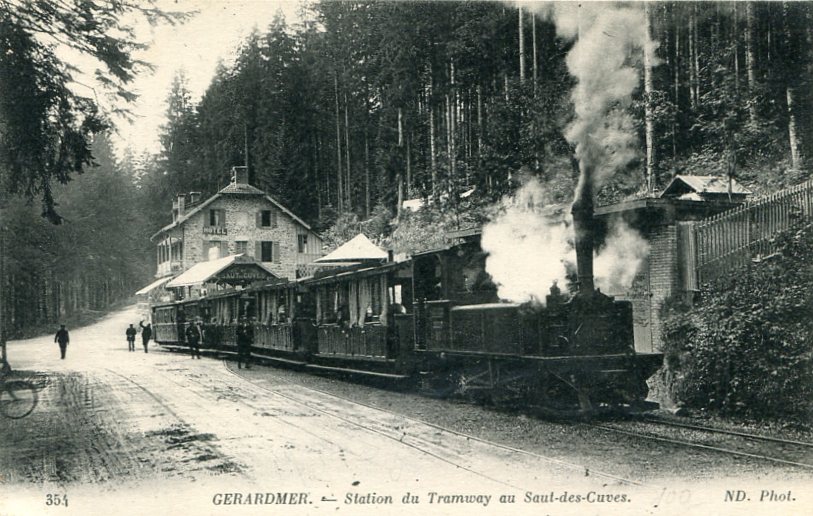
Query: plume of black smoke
{"type": "Point", "coordinates": [529, 251]}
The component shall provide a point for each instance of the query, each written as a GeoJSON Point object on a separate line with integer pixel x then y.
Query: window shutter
{"type": "Point", "coordinates": [258, 251]}
{"type": "Point", "coordinates": [222, 218]}
{"type": "Point", "coordinates": [259, 218]}
{"type": "Point", "coordinates": [275, 257]}
{"type": "Point", "coordinates": [273, 219]}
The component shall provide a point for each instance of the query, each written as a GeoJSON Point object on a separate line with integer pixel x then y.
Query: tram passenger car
{"type": "Point", "coordinates": [435, 319]}
{"type": "Point", "coordinates": [364, 320]}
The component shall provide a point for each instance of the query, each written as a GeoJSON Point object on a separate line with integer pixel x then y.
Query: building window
{"type": "Point", "coordinates": [217, 218]}
{"type": "Point", "coordinates": [267, 251]}
{"type": "Point", "coordinates": [266, 219]}
{"type": "Point", "coordinates": [241, 247]}
{"type": "Point", "coordinates": [302, 243]}
{"type": "Point", "coordinates": [216, 249]}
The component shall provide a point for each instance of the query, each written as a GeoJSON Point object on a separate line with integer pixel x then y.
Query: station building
{"type": "Point", "coordinates": [241, 220]}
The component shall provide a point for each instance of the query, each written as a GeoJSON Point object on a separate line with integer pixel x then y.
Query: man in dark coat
{"type": "Point", "coordinates": [146, 333]}
{"type": "Point", "coordinates": [63, 339]}
{"type": "Point", "coordinates": [245, 339]}
{"type": "Point", "coordinates": [131, 334]}
{"type": "Point", "coordinates": [194, 334]}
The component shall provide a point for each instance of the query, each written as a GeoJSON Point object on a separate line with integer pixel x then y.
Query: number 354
{"type": "Point", "coordinates": [55, 499]}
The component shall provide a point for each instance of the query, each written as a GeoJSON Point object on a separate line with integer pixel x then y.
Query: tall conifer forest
{"type": "Point", "coordinates": [367, 104]}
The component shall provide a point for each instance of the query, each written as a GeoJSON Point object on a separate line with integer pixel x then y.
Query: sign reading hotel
{"type": "Point", "coordinates": [214, 230]}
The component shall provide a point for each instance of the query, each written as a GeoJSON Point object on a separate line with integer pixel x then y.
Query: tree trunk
{"type": "Point", "coordinates": [348, 190]}
{"type": "Point", "coordinates": [690, 41]}
{"type": "Point", "coordinates": [433, 166]}
{"type": "Point", "coordinates": [790, 94]}
{"type": "Point", "coordinates": [480, 131]}
{"type": "Point", "coordinates": [400, 185]}
{"type": "Point", "coordinates": [533, 38]}
{"type": "Point", "coordinates": [736, 36]}
{"type": "Point", "coordinates": [339, 180]}
{"type": "Point", "coordinates": [366, 174]}
{"type": "Point", "coordinates": [696, 57]}
{"type": "Point", "coordinates": [3, 284]}
{"type": "Point", "coordinates": [675, 119]}
{"type": "Point", "coordinates": [316, 178]}
{"type": "Point", "coordinates": [453, 125]}
{"type": "Point", "coordinates": [521, 48]}
{"type": "Point", "coordinates": [651, 174]}
{"type": "Point", "coordinates": [750, 60]}
{"type": "Point", "coordinates": [409, 164]}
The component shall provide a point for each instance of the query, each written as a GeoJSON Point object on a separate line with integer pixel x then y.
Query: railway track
{"type": "Point", "coordinates": [763, 448]}
{"type": "Point", "coordinates": [424, 446]}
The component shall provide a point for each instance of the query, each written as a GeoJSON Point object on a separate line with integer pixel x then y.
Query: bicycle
{"type": "Point", "coordinates": [17, 397]}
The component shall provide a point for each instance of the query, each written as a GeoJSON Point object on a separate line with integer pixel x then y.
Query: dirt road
{"type": "Point", "coordinates": [134, 428]}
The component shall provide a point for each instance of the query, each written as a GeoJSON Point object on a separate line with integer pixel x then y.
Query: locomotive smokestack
{"type": "Point", "coordinates": [582, 211]}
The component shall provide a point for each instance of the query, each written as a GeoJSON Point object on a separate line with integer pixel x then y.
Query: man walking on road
{"type": "Point", "coordinates": [194, 334]}
{"type": "Point", "coordinates": [245, 338]}
{"type": "Point", "coordinates": [146, 333]}
{"type": "Point", "coordinates": [63, 339]}
{"type": "Point", "coordinates": [131, 333]}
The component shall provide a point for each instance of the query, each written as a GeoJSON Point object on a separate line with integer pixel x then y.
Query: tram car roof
{"type": "Point", "coordinates": [338, 275]}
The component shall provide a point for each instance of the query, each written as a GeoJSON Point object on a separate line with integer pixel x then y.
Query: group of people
{"type": "Point", "coordinates": [63, 337]}
{"type": "Point", "coordinates": [146, 335]}
{"type": "Point", "coordinates": [194, 334]}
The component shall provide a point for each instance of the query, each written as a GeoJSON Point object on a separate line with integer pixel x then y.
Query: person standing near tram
{"type": "Point", "coordinates": [194, 334]}
{"type": "Point", "coordinates": [146, 333]}
{"type": "Point", "coordinates": [131, 336]}
{"type": "Point", "coordinates": [245, 339]}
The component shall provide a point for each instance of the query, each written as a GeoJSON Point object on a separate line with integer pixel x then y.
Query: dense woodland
{"type": "Point", "coordinates": [369, 103]}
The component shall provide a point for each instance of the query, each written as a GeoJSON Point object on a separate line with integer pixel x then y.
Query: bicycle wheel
{"type": "Point", "coordinates": [17, 399]}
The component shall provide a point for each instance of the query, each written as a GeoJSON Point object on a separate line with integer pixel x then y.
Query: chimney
{"type": "Point", "coordinates": [181, 204]}
{"type": "Point", "coordinates": [239, 175]}
{"type": "Point", "coordinates": [194, 197]}
{"type": "Point", "coordinates": [583, 228]}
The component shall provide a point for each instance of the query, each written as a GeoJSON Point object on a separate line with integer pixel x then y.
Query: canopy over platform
{"type": "Point", "coordinates": [357, 250]}
{"type": "Point", "coordinates": [152, 286]}
{"type": "Point", "coordinates": [236, 269]}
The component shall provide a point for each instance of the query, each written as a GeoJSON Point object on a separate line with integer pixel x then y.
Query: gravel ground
{"type": "Point", "coordinates": [571, 441]}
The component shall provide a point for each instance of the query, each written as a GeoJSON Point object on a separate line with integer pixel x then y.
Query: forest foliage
{"type": "Point", "coordinates": [748, 348]}
{"type": "Point", "coordinates": [369, 103]}
{"type": "Point", "coordinates": [363, 104]}
{"type": "Point", "coordinates": [69, 242]}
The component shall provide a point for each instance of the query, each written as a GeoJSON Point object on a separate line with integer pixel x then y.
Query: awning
{"type": "Point", "coordinates": [235, 269]}
{"type": "Point", "coordinates": [152, 286]}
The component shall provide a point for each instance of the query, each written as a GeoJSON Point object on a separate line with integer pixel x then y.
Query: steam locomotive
{"type": "Point", "coordinates": [434, 320]}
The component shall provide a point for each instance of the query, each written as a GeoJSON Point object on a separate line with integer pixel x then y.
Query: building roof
{"type": "Point", "coordinates": [354, 273]}
{"type": "Point", "coordinates": [203, 271]}
{"type": "Point", "coordinates": [232, 189]}
{"type": "Point", "coordinates": [152, 286]}
{"type": "Point", "coordinates": [241, 188]}
{"type": "Point", "coordinates": [702, 185]}
{"type": "Point", "coordinates": [358, 249]}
